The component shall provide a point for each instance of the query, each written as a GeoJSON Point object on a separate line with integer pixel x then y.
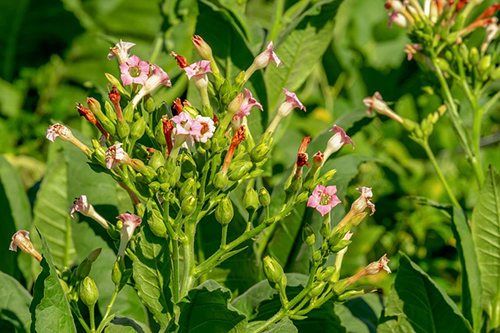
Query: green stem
{"type": "Point", "coordinates": [188, 251]}
{"type": "Point", "coordinates": [108, 310]}
{"type": "Point", "coordinates": [92, 318]}
{"type": "Point", "coordinates": [493, 100]}
{"type": "Point", "coordinates": [224, 236]}
{"type": "Point", "coordinates": [78, 315]}
{"type": "Point", "coordinates": [432, 158]}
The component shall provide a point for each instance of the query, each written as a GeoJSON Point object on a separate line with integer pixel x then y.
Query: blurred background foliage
{"type": "Point", "coordinates": [54, 55]}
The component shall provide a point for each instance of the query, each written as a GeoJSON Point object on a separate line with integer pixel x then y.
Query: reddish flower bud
{"type": "Point", "coordinates": [181, 61]}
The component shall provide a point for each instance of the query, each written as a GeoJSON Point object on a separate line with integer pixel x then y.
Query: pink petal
{"type": "Point", "coordinates": [324, 209]}
{"type": "Point", "coordinates": [313, 201]}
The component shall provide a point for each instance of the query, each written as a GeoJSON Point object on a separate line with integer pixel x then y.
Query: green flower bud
{"type": "Point", "coordinates": [264, 197]}
{"type": "Point", "coordinates": [239, 169]}
{"type": "Point", "coordinates": [162, 174]}
{"type": "Point", "coordinates": [350, 294]}
{"type": "Point", "coordinates": [188, 167]}
{"type": "Point", "coordinates": [154, 186]}
{"type": "Point", "coordinates": [187, 189]}
{"type": "Point", "coordinates": [326, 273]}
{"type": "Point", "coordinates": [138, 129]}
{"type": "Point", "coordinates": [317, 256]}
{"type": "Point", "coordinates": [303, 197]}
{"type": "Point", "coordinates": [224, 212]}
{"type": "Point", "coordinates": [95, 107]}
{"type": "Point", "coordinates": [123, 129]}
{"type": "Point", "coordinates": [128, 113]}
{"type": "Point", "coordinates": [156, 224]}
{"type": "Point", "coordinates": [273, 270]}
{"type": "Point", "coordinates": [116, 274]}
{"type": "Point", "coordinates": [88, 292]}
{"type": "Point", "coordinates": [159, 136]}
{"type": "Point", "coordinates": [448, 55]}
{"type": "Point", "coordinates": [340, 245]}
{"type": "Point", "coordinates": [495, 75]}
{"type": "Point", "coordinates": [220, 180]}
{"type": "Point", "coordinates": [311, 239]}
{"type": "Point", "coordinates": [485, 63]}
{"type": "Point", "coordinates": [211, 89]}
{"type": "Point", "coordinates": [327, 177]}
{"type": "Point", "coordinates": [149, 104]}
{"type": "Point", "coordinates": [110, 111]}
{"type": "Point", "coordinates": [240, 79]}
{"type": "Point", "coordinates": [99, 155]}
{"type": "Point", "coordinates": [188, 206]}
{"type": "Point", "coordinates": [316, 290]}
{"type": "Point", "coordinates": [251, 199]}
{"type": "Point", "coordinates": [443, 64]}
{"type": "Point", "coordinates": [259, 152]}
{"type": "Point", "coordinates": [157, 160]}
{"type": "Point", "coordinates": [473, 56]}
{"type": "Point", "coordinates": [83, 269]}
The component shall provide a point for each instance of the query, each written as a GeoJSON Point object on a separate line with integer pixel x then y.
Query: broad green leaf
{"type": "Point", "coordinates": [14, 214]}
{"type": "Point", "coordinates": [361, 314]}
{"type": "Point", "coordinates": [14, 304]}
{"type": "Point", "coordinates": [206, 309]}
{"type": "Point", "coordinates": [300, 49]}
{"type": "Point", "coordinates": [51, 211]}
{"type": "Point", "coordinates": [486, 235]}
{"type": "Point", "coordinates": [151, 272]}
{"type": "Point", "coordinates": [471, 289]}
{"type": "Point", "coordinates": [126, 325]}
{"type": "Point", "coordinates": [50, 310]}
{"type": "Point", "coordinates": [420, 304]}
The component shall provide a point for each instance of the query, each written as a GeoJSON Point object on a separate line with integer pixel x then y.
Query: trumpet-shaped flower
{"type": "Point", "coordinates": [186, 127]}
{"type": "Point", "coordinates": [115, 155]}
{"type": "Point", "coordinates": [21, 239]}
{"type": "Point", "coordinates": [134, 70]}
{"type": "Point", "coordinates": [248, 103]}
{"type": "Point", "coordinates": [207, 128]}
{"type": "Point", "coordinates": [82, 205]}
{"type": "Point", "coordinates": [266, 57]}
{"type": "Point", "coordinates": [121, 51]}
{"type": "Point", "coordinates": [130, 223]}
{"type": "Point", "coordinates": [323, 199]}
{"type": "Point", "coordinates": [58, 130]}
{"type": "Point", "coordinates": [201, 67]}
{"type": "Point", "coordinates": [337, 141]}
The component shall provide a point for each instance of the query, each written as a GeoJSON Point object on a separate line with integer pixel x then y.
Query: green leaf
{"type": "Point", "coordinates": [50, 310]}
{"type": "Point", "coordinates": [126, 325]}
{"type": "Point", "coordinates": [420, 304]}
{"type": "Point", "coordinates": [206, 309]}
{"type": "Point", "coordinates": [51, 211]}
{"type": "Point", "coordinates": [14, 214]}
{"type": "Point", "coordinates": [300, 50]}
{"type": "Point", "coordinates": [361, 314]}
{"type": "Point", "coordinates": [14, 304]}
{"type": "Point", "coordinates": [285, 325]}
{"type": "Point", "coordinates": [471, 289]}
{"type": "Point", "coordinates": [151, 272]}
{"type": "Point", "coordinates": [486, 235]}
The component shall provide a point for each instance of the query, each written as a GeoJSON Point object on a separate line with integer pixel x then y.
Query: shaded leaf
{"type": "Point", "coordinates": [486, 235]}
{"type": "Point", "coordinates": [125, 325]}
{"type": "Point", "coordinates": [14, 304]}
{"type": "Point", "coordinates": [285, 325]}
{"type": "Point", "coordinates": [50, 310]}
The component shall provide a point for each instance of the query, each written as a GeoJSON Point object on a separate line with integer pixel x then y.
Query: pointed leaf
{"type": "Point", "coordinates": [50, 310]}
{"type": "Point", "coordinates": [14, 303]}
{"type": "Point", "coordinates": [486, 235]}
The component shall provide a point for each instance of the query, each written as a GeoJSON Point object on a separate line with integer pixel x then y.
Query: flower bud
{"type": "Point", "coordinates": [149, 104]}
{"type": "Point", "coordinates": [317, 256]}
{"type": "Point", "coordinates": [128, 113]}
{"type": "Point", "coordinates": [473, 56]}
{"type": "Point", "coordinates": [235, 104]}
{"type": "Point", "coordinates": [251, 200]}
{"type": "Point", "coordinates": [311, 239]}
{"type": "Point", "coordinates": [239, 169]}
{"type": "Point", "coordinates": [162, 174]}
{"type": "Point", "coordinates": [273, 270]}
{"type": "Point", "coordinates": [495, 75]}
{"type": "Point", "coordinates": [326, 273]}
{"type": "Point", "coordinates": [316, 290]}
{"type": "Point", "coordinates": [138, 129]}
{"type": "Point", "coordinates": [259, 152]}
{"type": "Point", "coordinates": [156, 224]}
{"type": "Point", "coordinates": [353, 293]}
{"type": "Point", "coordinates": [220, 180]}
{"type": "Point", "coordinates": [88, 292]}
{"type": "Point", "coordinates": [157, 160]}
{"type": "Point", "coordinates": [264, 197]}
{"type": "Point", "coordinates": [339, 245]}
{"type": "Point", "coordinates": [303, 197]}
{"type": "Point", "coordinates": [224, 212]}
{"type": "Point", "coordinates": [116, 274]}
{"type": "Point", "coordinates": [188, 167]}
{"type": "Point", "coordinates": [188, 206]}
{"type": "Point", "coordinates": [187, 189]}
{"type": "Point", "coordinates": [99, 155]}
{"type": "Point", "coordinates": [159, 134]}
{"type": "Point", "coordinates": [83, 270]}
{"type": "Point", "coordinates": [485, 63]}
{"type": "Point", "coordinates": [443, 64]}
{"type": "Point", "coordinates": [327, 177]}
{"type": "Point", "coordinates": [123, 129]}
{"type": "Point", "coordinates": [202, 47]}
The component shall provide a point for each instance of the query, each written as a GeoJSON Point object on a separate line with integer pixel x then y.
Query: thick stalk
{"type": "Point", "coordinates": [189, 262]}
{"type": "Point", "coordinates": [432, 158]}
{"type": "Point", "coordinates": [92, 318]}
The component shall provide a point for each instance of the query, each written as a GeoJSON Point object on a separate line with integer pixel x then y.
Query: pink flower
{"type": "Point", "coordinates": [130, 223]}
{"type": "Point", "coordinates": [157, 78]}
{"type": "Point", "coordinates": [186, 127]}
{"type": "Point", "coordinates": [121, 51]}
{"type": "Point", "coordinates": [398, 19]}
{"type": "Point", "coordinates": [207, 128]}
{"type": "Point", "coordinates": [81, 205]}
{"type": "Point", "coordinates": [323, 199]}
{"type": "Point", "coordinates": [248, 103]}
{"type": "Point", "coordinates": [201, 67]}
{"type": "Point", "coordinates": [268, 55]}
{"type": "Point", "coordinates": [363, 201]}
{"type": "Point", "coordinates": [134, 71]}
{"type": "Point", "coordinates": [291, 102]}
{"type": "Point", "coordinates": [21, 239]}
{"type": "Point", "coordinates": [115, 155]}
{"type": "Point", "coordinates": [339, 139]}
{"type": "Point", "coordinates": [56, 130]}
{"type": "Point", "coordinates": [377, 104]}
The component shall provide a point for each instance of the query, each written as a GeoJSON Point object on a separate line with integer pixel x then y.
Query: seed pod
{"type": "Point", "coordinates": [251, 199]}
{"type": "Point", "coordinates": [273, 270]}
{"type": "Point", "coordinates": [259, 152]}
{"type": "Point", "coordinates": [88, 292]}
{"type": "Point", "coordinates": [187, 189]}
{"type": "Point", "coordinates": [156, 224]}
{"type": "Point", "coordinates": [264, 197]}
{"type": "Point", "coordinates": [138, 129]}
{"type": "Point", "coordinates": [220, 180]}
{"type": "Point", "coordinates": [224, 212]}
{"type": "Point", "coordinates": [239, 169]}
{"type": "Point", "coordinates": [116, 274]}
{"type": "Point", "coordinates": [157, 160]}
{"type": "Point", "coordinates": [188, 206]}
{"type": "Point", "coordinates": [149, 104]}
